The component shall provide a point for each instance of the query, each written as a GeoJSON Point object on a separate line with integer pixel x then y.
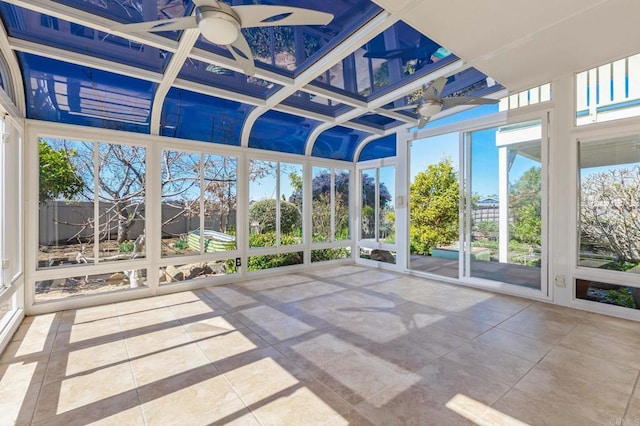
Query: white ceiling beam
{"type": "Point", "coordinates": [363, 127]}
{"type": "Point", "coordinates": [352, 43]}
{"type": "Point", "coordinates": [188, 39]}
{"type": "Point", "coordinates": [338, 97]}
{"type": "Point", "coordinates": [303, 113]}
{"type": "Point", "coordinates": [379, 23]}
{"type": "Point", "coordinates": [217, 92]}
{"type": "Point", "coordinates": [16, 73]}
{"type": "Point", "coordinates": [388, 97]}
{"type": "Point", "coordinates": [84, 60]}
{"type": "Point", "coordinates": [96, 22]}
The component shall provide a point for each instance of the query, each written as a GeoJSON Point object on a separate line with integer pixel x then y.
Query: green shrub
{"type": "Point", "coordinates": [126, 246]}
{"type": "Point", "coordinates": [180, 244]}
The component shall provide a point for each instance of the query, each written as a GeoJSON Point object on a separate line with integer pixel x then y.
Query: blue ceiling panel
{"type": "Point", "coordinates": [132, 11]}
{"type": "Point", "coordinates": [213, 75]}
{"type": "Point", "coordinates": [277, 131]}
{"type": "Point", "coordinates": [58, 33]}
{"type": "Point", "coordinates": [190, 115]}
{"type": "Point", "coordinates": [67, 93]}
{"type": "Point", "coordinates": [394, 57]}
{"type": "Point", "coordinates": [317, 104]}
{"type": "Point", "coordinates": [380, 148]}
{"type": "Point", "coordinates": [338, 143]}
{"type": "Point", "coordinates": [289, 50]}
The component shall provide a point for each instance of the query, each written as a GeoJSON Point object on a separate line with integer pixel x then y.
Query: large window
{"type": "Point", "coordinates": [92, 201]}
{"type": "Point", "coordinates": [275, 203]}
{"type": "Point", "coordinates": [377, 214]}
{"type": "Point", "coordinates": [330, 213]}
{"type": "Point", "coordinates": [609, 218]}
{"type": "Point", "coordinates": [198, 203]}
{"type": "Point", "coordinates": [275, 213]}
{"type": "Point", "coordinates": [608, 92]}
{"type": "Point", "coordinates": [91, 211]}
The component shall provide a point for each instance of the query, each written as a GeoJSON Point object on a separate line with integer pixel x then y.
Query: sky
{"type": "Point", "coordinates": [484, 159]}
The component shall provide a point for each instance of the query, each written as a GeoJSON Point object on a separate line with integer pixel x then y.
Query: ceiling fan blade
{"type": "Point", "coordinates": [463, 100]}
{"type": "Point", "coordinates": [432, 92]}
{"type": "Point", "coordinates": [242, 53]}
{"type": "Point", "coordinates": [267, 16]}
{"type": "Point", "coordinates": [403, 108]}
{"type": "Point", "coordinates": [174, 24]}
{"type": "Point", "coordinates": [199, 3]}
{"type": "Point", "coordinates": [423, 122]}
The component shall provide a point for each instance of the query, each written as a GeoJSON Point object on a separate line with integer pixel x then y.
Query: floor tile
{"type": "Point", "coordinates": [516, 344]}
{"type": "Point", "coordinates": [620, 352]}
{"type": "Point", "coordinates": [529, 408]}
{"type": "Point", "coordinates": [355, 376]}
{"type": "Point", "coordinates": [308, 402]}
{"type": "Point", "coordinates": [597, 403]}
{"type": "Point", "coordinates": [103, 389]}
{"type": "Point", "coordinates": [548, 331]}
{"type": "Point", "coordinates": [331, 346]}
{"type": "Point", "coordinates": [493, 363]}
{"type": "Point", "coordinates": [167, 363]}
{"type": "Point", "coordinates": [446, 379]}
{"type": "Point", "coordinates": [186, 395]}
{"type": "Point", "coordinates": [411, 404]}
{"type": "Point", "coordinates": [231, 343]}
{"type": "Point", "coordinates": [82, 361]}
{"type": "Point", "coordinates": [563, 361]}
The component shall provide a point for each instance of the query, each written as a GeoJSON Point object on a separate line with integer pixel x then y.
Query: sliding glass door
{"type": "Point", "coordinates": [503, 209]}
{"type": "Point", "coordinates": [476, 205]}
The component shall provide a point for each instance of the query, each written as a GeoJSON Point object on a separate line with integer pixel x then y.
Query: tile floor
{"type": "Point", "coordinates": [340, 345]}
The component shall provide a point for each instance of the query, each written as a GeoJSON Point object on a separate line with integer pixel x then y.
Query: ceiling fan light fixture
{"type": "Point", "coordinates": [218, 27]}
{"type": "Point", "coordinates": [429, 109]}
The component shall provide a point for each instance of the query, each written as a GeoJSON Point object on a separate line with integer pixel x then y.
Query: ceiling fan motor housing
{"type": "Point", "coordinates": [219, 25]}
{"type": "Point", "coordinates": [429, 108]}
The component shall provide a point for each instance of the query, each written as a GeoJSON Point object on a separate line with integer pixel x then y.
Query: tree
{"type": "Point", "coordinates": [609, 213]}
{"type": "Point", "coordinates": [434, 207]}
{"type": "Point", "coordinates": [526, 208]}
{"type": "Point", "coordinates": [264, 214]}
{"type": "Point", "coordinates": [58, 175]}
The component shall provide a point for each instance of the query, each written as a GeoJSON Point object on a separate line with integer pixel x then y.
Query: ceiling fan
{"type": "Point", "coordinates": [220, 24]}
{"type": "Point", "coordinates": [431, 102]}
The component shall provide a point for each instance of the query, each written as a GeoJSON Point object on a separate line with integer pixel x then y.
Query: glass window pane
{"type": "Point", "coordinates": [341, 205]}
{"type": "Point", "coordinates": [262, 203]}
{"type": "Point", "coordinates": [180, 203]}
{"type": "Point", "coordinates": [290, 204]}
{"type": "Point", "coordinates": [66, 202]}
{"type": "Point", "coordinates": [321, 195]}
{"type": "Point", "coordinates": [505, 221]}
{"type": "Point", "coordinates": [434, 205]}
{"type": "Point", "coordinates": [387, 208]}
{"type": "Point", "coordinates": [61, 288]}
{"type": "Point", "coordinates": [269, 261]}
{"type": "Point", "coordinates": [368, 212]}
{"type": "Point", "coordinates": [121, 189]}
{"type": "Point", "coordinates": [322, 255]}
{"type": "Point", "coordinates": [173, 274]}
{"type": "Point", "coordinates": [220, 202]}
{"type": "Point", "coordinates": [609, 215]}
